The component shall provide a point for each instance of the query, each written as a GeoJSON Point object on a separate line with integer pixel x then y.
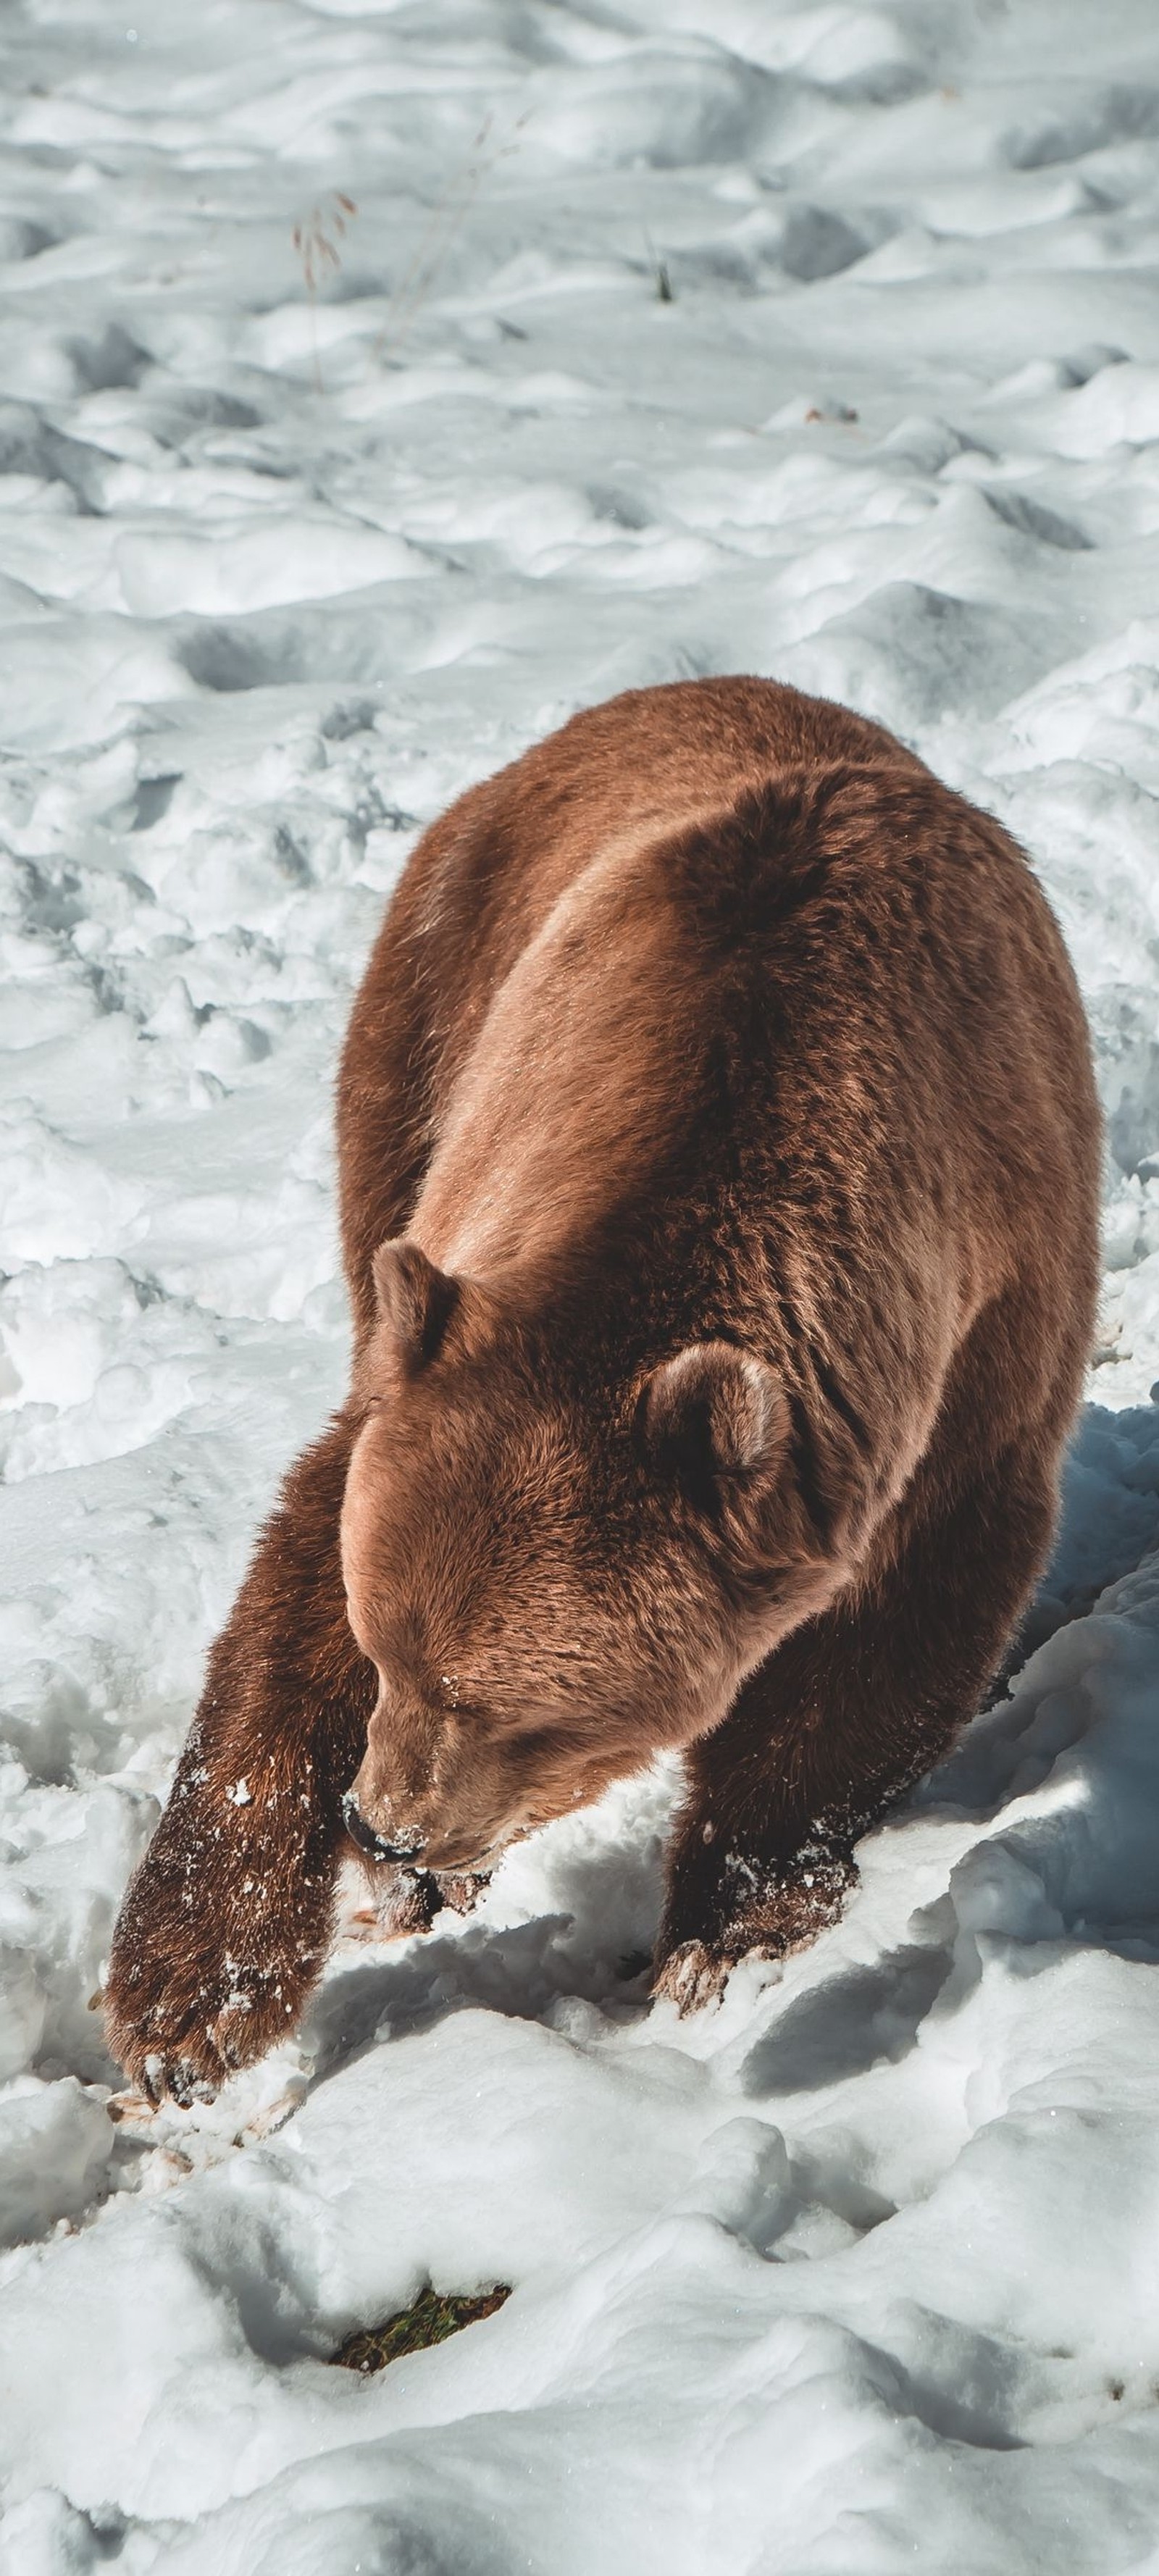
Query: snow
{"type": "Point", "coordinates": [858, 2271]}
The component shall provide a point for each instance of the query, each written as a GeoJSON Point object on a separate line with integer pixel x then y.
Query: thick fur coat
{"type": "Point", "coordinates": [719, 1159]}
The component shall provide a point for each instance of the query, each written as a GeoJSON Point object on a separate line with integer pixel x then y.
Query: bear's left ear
{"type": "Point", "coordinates": [715, 1411]}
{"type": "Point", "coordinates": [415, 1302]}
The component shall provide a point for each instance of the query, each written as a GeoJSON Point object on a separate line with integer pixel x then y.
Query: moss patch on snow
{"type": "Point", "coordinates": [429, 2319]}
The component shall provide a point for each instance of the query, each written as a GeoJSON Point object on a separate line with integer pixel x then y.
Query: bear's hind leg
{"type": "Point", "coordinates": [824, 1737]}
{"type": "Point", "coordinates": [226, 1920]}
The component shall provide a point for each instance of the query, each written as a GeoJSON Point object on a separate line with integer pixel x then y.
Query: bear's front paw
{"type": "Point", "coordinates": [750, 1909]}
{"type": "Point", "coordinates": [214, 1956]}
{"type": "Point", "coordinates": [692, 1975]}
{"type": "Point", "coordinates": [180, 2023]}
{"type": "Point", "coordinates": [167, 2050]}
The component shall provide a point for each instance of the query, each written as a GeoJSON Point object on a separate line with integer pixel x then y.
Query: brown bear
{"type": "Point", "coordinates": [719, 1161]}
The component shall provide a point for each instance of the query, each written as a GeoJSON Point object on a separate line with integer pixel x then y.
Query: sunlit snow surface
{"type": "Point", "coordinates": [861, 2272]}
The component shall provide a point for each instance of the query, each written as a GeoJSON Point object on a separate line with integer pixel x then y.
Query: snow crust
{"type": "Point", "coordinates": [862, 2270]}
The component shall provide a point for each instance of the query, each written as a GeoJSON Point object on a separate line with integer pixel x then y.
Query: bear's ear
{"type": "Point", "coordinates": [715, 1411]}
{"type": "Point", "coordinates": [415, 1302]}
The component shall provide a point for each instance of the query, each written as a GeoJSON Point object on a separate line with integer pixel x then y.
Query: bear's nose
{"type": "Point", "coordinates": [367, 1836]}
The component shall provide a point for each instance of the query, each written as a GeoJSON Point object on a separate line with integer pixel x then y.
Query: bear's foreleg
{"type": "Point", "coordinates": [855, 1706]}
{"type": "Point", "coordinates": [226, 1920]}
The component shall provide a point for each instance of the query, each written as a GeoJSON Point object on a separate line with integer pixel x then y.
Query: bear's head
{"type": "Point", "coordinates": [556, 1578]}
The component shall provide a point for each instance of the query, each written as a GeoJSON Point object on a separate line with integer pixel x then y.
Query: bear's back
{"type": "Point", "coordinates": [719, 941]}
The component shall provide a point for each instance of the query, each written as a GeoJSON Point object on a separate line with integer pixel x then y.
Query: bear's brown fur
{"type": "Point", "coordinates": [718, 1179]}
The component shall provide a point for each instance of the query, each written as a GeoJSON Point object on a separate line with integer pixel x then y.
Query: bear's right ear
{"type": "Point", "coordinates": [415, 1303]}
{"type": "Point", "coordinates": [715, 1412]}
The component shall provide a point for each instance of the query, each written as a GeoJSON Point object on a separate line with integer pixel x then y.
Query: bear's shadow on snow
{"type": "Point", "coordinates": [850, 2023]}
{"type": "Point", "coordinates": [1109, 1525]}
{"type": "Point", "coordinates": [519, 1971]}
{"type": "Point", "coordinates": [592, 1948]}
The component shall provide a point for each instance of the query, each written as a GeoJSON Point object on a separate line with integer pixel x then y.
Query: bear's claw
{"type": "Point", "coordinates": [181, 2026]}
{"type": "Point", "coordinates": [692, 1976]}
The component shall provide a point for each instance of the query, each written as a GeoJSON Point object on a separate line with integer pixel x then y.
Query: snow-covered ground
{"type": "Point", "coordinates": [860, 2272]}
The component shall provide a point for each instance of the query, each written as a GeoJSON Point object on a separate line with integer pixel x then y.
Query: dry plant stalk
{"type": "Point", "coordinates": [447, 213]}
{"type": "Point", "coordinates": [316, 242]}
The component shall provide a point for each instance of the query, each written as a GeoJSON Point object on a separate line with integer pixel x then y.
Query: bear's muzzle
{"type": "Point", "coordinates": [405, 1847]}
